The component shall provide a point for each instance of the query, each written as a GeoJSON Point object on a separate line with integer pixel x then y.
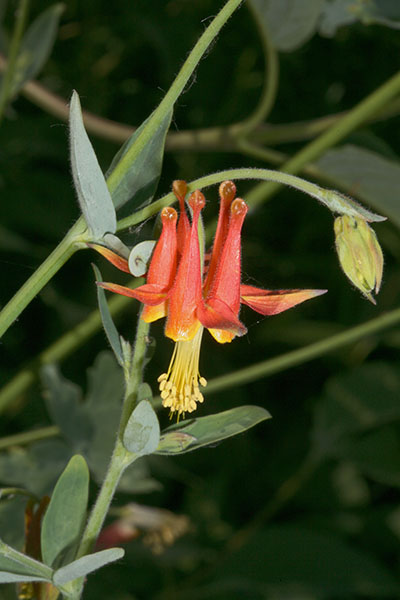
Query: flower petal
{"type": "Point", "coordinates": [185, 295]}
{"type": "Point", "coordinates": [149, 293]}
{"type": "Point", "coordinates": [220, 319]}
{"type": "Point", "coordinates": [273, 302]}
{"type": "Point", "coordinates": [115, 259]}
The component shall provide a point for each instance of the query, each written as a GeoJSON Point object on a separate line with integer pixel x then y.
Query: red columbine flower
{"type": "Point", "coordinates": [193, 297]}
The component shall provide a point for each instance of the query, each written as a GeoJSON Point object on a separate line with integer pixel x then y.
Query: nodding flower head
{"type": "Point", "coordinates": [194, 294]}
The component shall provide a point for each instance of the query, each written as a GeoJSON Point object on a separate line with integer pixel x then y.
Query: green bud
{"type": "Point", "coordinates": [359, 253]}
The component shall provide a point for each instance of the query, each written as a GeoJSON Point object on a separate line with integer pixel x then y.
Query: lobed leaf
{"type": "Point", "coordinates": [93, 194]}
{"type": "Point", "coordinates": [66, 513]}
{"type": "Point", "coordinates": [204, 431]}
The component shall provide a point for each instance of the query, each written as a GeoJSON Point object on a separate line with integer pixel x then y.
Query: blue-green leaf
{"type": "Point", "coordinates": [86, 564]}
{"type": "Point", "coordinates": [6, 577]}
{"type": "Point", "coordinates": [36, 46]}
{"type": "Point", "coordinates": [106, 318]}
{"type": "Point", "coordinates": [139, 257]}
{"type": "Point", "coordinates": [204, 431]}
{"type": "Point", "coordinates": [138, 184]}
{"type": "Point", "coordinates": [66, 513]}
{"type": "Point", "coordinates": [142, 433]}
{"type": "Point", "coordinates": [288, 23]}
{"type": "Point", "coordinates": [13, 561]}
{"type": "Point", "coordinates": [93, 195]}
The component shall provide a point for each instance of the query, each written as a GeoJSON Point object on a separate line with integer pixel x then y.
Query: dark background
{"type": "Point", "coordinates": [121, 57]}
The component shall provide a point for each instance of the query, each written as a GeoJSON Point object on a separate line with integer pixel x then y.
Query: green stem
{"type": "Point", "coordinates": [330, 198]}
{"type": "Point", "coordinates": [65, 248]}
{"type": "Point", "coordinates": [121, 458]}
{"type": "Point", "coordinates": [302, 355]}
{"type": "Point", "coordinates": [6, 89]}
{"type": "Point", "coordinates": [256, 371]}
{"type": "Point", "coordinates": [271, 81]}
{"type": "Point", "coordinates": [27, 437]}
{"type": "Point", "coordinates": [173, 93]}
{"type": "Point", "coordinates": [40, 277]}
{"type": "Point", "coordinates": [337, 132]}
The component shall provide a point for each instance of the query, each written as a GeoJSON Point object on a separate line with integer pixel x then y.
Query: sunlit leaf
{"type": "Point", "coordinates": [93, 195]}
{"type": "Point", "coordinates": [374, 178]}
{"type": "Point", "coordinates": [137, 186]}
{"type": "Point", "coordinates": [36, 46]}
{"type": "Point", "coordinates": [288, 23]}
{"type": "Point", "coordinates": [142, 432]}
{"type": "Point", "coordinates": [87, 564]}
{"type": "Point", "coordinates": [65, 516]}
{"type": "Point", "coordinates": [204, 431]}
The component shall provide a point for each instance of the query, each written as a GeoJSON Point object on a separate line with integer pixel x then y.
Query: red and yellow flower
{"type": "Point", "coordinates": [192, 296]}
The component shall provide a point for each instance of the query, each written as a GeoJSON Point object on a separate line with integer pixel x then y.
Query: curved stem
{"type": "Point", "coordinates": [174, 91]}
{"type": "Point", "coordinates": [259, 370]}
{"type": "Point", "coordinates": [337, 132]}
{"type": "Point", "coordinates": [6, 89]}
{"type": "Point", "coordinates": [271, 81]}
{"type": "Point", "coordinates": [302, 355]}
{"type": "Point", "coordinates": [333, 200]}
{"type": "Point", "coordinates": [27, 437]}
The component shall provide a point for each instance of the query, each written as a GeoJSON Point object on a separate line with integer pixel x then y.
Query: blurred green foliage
{"type": "Point", "coordinates": [304, 506]}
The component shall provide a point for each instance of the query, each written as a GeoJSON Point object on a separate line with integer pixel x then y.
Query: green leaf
{"type": "Point", "coordinates": [337, 13]}
{"type": "Point", "coordinates": [204, 431]}
{"type": "Point", "coordinates": [66, 513]}
{"type": "Point", "coordinates": [288, 23]}
{"type": "Point", "coordinates": [13, 561]}
{"type": "Point", "coordinates": [6, 577]}
{"type": "Point", "coordinates": [353, 404]}
{"type": "Point", "coordinates": [375, 178]}
{"type": "Point", "coordinates": [106, 318]}
{"type": "Point", "coordinates": [36, 46]}
{"type": "Point", "coordinates": [175, 442]}
{"type": "Point", "coordinates": [35, 467]}
{"type": "Point", "coordinates": [93, 195]}
{"type": "Point", "coordinates": [139, 257]}
{"type": "Point", "coordinates": [142, 432]}
{"type": "Point", "coordinates": [87, 564]}
{"type": "Point", "coordinates": [293, 561]}
{"type": "Point", "coordinates": [137, 186]}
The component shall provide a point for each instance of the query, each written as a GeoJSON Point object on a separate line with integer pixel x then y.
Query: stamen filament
{"type": "Point", "coordinates": [179, 387]}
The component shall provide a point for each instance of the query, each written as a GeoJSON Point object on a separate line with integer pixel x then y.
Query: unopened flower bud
{"type": "Point", "coordinates": [359, 253]}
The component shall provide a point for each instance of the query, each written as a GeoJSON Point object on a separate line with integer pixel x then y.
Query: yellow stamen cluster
{"type": "Point", "coordinates": [179, 387]}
